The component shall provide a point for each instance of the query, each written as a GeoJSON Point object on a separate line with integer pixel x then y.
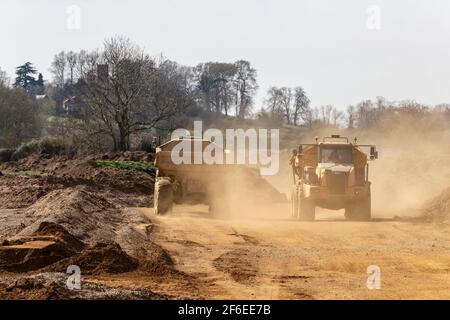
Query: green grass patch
{"type": "Point", "coordinates": [26, 173]}
{"type": "Point", "coordinates": [142, 166]}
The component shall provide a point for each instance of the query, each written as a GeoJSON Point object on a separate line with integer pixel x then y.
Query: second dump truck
{"type": "Point", "coordinates": [332, 174]}
{"type": "Point", "coordinates": [224, 187]}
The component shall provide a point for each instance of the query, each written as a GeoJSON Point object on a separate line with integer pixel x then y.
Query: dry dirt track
{"type": "Point", "coordinates": [277, 258]}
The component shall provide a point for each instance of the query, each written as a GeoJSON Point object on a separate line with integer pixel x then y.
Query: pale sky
{"type": "Point", "coordinates": [325, 46]}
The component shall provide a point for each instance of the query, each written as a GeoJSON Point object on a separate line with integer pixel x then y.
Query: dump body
{"type": "Point", "coordinates": [332, 174]}
{"type": "Point", "coordinates": [193, 180]}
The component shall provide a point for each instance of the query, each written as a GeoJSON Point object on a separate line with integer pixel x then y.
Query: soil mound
{"type": "Point", "coordinates": [86, 171]}
{"type": "Point", "coordinates": [50, 286]}
{"type": "Point", "coordinates": [438, 208]}
{"type": "Point", "coordinates": [21, 192]}
{"type": "Point", "coordinates": [50, 243]}
{"type": "Point", "coordinates": [97, 259]}
{"type": "Point", "coordinates": [53, 248]}
{"type": "Point", "coordinates": [58, 232]}
{"type": "Point", "coordinates": [31, 178]}
{"type": "Point", "coordinates": [158, 261]}
{"type": "Point", "coordinates": [84, 214]}
{"type": "Point", "coordinates": [126, 181]}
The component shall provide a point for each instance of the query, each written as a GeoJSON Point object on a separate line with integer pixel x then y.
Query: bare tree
{"type": "Point", "coordinates": [286, 103]}
{"type": "Point", "coordinates": [351, 115]}
{"type": "Point", "coordinates": [301, 106]}
{"type": "Point", "coordinates": [71, 59]}
{"type": "Point", "coordinates": [214, 82]}
{"type": "Point", "coordinates": [365, 111]}
{"type": "Point", "coordinates": [127, 92]}
{"type": "Point", "coordinates": [290, 104]}
{"type": "Point", "coordinates": [4, 79]}
{"type": "Point", "coordinates": [336, 116]}
{"type": "Point", "coordinates": [20, 119]}
{"type": "Point", "coordinates": [325, 114]}
{"type": "Point", "coordinates": [58, 69]}
{"type": "Point", "coordinates": [273, 103]}
{"type": "Point", "coordinates": [245, 86]}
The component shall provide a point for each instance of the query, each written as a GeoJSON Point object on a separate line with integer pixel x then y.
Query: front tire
{"type": "Point", "coordinates": [307, 209]}
{"type": "Point", "coordinates": [359, 211]}
{"type": "Point", "coordinates": [163, 196]}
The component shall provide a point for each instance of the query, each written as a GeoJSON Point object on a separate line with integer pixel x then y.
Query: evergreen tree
{"type": "Point", "coordinates": [25, 77]}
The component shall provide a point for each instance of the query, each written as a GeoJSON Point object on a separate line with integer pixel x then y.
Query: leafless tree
{"type": "Point", "coordinates": [135, 94]}
{"type": "Point", "coordinates": [4, 79]}
{"type": "Point", "coordinates": [19, 119]}
{"type": "Point", "coordinates": [71, 59]}
{"type": "Point", "coordinates": [326, 114]}
{"type": "Point", "coordinates": [351, 115]}
{"type": "Point", "coordinates": [214, 82]}
{"type": "Point", "coordinates": [273, 103]}
{"type": "Point", "coordinates": [364, 111]}
{"type": "Point", "coordinates": [286, 103]}
{"type": "Point", "coordinates": [336, 116]}
{"type": "Point", "coordinates": [301, 106]}
{"type": "Point", "coordinates": [246, 86]}
{"type": "Point", "coordinates": [58, 69]}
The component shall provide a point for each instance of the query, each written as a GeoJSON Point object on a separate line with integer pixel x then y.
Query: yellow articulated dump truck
{"type": "Point", "coordinates": [332, 174]}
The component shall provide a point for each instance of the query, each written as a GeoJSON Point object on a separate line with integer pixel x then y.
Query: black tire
{"type": "Point", "coordinates": [365, 209]}
{"type": "Point", "coordinates": [359, 211]}
{"type": "Point", "coordinates": [177, 193]}
{"type": "Point", "coordinates": [294, 202]}
{"type": "Point", "coordinates": [349, 211]}
{"type": "Point", "coordinates": [220, 201]}
{"type": "Point", "coordinates": [307, 208]}
{"type": "Point", "coordinates": [163, 196]}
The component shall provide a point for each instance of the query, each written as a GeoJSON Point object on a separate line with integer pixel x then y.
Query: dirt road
{"type": "Point", "coordinates": [277, 258]}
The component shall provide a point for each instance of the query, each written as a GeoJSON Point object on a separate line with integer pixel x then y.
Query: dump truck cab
{"type": "Point", "coordinates": [332, 174]}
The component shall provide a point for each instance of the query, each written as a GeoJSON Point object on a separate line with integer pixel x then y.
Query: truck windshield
{"type": "Point", "coordinates": [332, 154]}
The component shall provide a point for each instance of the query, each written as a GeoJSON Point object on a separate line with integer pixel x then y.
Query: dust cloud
{"type": "Point", "coordinates": [413, 164]}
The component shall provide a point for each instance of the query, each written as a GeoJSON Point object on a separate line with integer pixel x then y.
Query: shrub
{"type": "Point", "coordinates": [146, 144]}
{"type": "Point", "coordinates": [51, 146]}
{"type": "Point", "coordinates": [6, 154]}
{"type": "Point", "coordinates": [143, 166]}
{"type": "Point", "coordinates": [48, 145]}
{"type": "Point", "coordinates": [26, 149]}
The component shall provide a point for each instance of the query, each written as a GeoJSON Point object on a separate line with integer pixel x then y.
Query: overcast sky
{"type": "Point", "coordinates": [340, 52]}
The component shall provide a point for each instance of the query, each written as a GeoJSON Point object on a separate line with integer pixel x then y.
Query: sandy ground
{"type": "Point", "coordinates": [278, 258]}
{"type": "Point", "coordinates": [260, 253]}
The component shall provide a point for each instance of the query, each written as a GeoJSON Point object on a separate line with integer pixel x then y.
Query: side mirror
{"type": "Point", "coordinates": [300, 149]}
{"type": "Point", "coordinates": [373, 153]}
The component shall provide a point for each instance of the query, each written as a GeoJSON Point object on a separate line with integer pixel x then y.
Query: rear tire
{"type": "Point", "coordinates": [349, 212]}
{"type": "Point", "coordinates": [163, 196]}
{"type": "Point", "coordinates": [294, 202]}
{"type": "Point", "coordinates": [307, 209]}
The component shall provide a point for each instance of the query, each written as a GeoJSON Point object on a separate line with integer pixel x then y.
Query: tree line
{"type": "Point", "coordinates": [111, 96]}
